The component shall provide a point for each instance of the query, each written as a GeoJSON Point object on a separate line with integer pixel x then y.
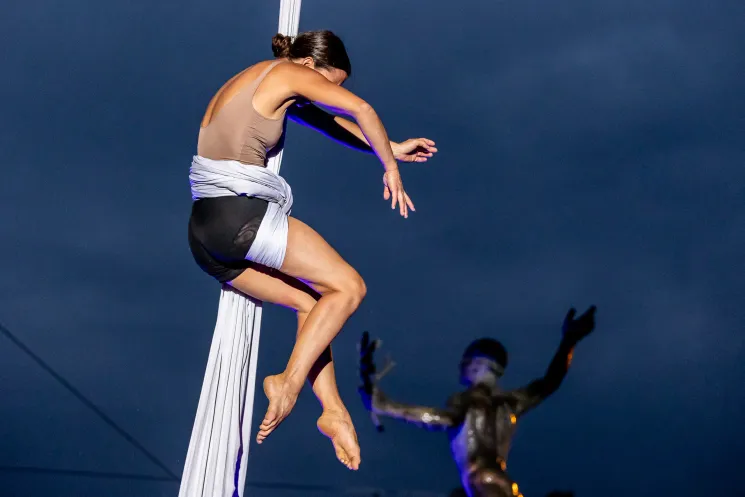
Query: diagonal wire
{"type": "Point", "coordinates": [89, 474]}
{"type": "Point", "coordinates": [171, 477]}
{"type": "Point", "coordinates": [102, 415]}
{"type": "Point", "coordinates": [328, 489]}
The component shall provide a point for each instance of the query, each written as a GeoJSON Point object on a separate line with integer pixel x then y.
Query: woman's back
{"type": "Point", "coordinates": [232, 128]}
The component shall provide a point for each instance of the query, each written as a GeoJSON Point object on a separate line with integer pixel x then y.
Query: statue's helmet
{"type": "Point", "coordinates": [488, 348]}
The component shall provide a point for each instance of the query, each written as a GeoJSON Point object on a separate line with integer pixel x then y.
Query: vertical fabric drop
{"type": "Point", "coordinates": [216, 460]}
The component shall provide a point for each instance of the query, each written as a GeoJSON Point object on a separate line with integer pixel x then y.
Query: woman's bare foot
{"type": "Point", "coordinates": [337, 425]}
{"type": "Point", "coordinates": [282, 397]}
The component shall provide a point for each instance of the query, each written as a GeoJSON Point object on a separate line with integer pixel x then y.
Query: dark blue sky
{"type": "Point", "coordinates": [590, 152]}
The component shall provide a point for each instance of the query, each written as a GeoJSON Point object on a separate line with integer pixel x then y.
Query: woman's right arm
{"type": "Point", "coordinates": [307, 83]}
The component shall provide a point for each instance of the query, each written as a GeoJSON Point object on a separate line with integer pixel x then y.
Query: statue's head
{"type": "Point", "coordinates": [484, 361]}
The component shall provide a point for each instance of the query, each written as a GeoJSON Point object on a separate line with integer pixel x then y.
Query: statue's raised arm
{"type": "Point", "coordinates": [379, 404]}
{"type": "Point", "coordinates": [573, 331]}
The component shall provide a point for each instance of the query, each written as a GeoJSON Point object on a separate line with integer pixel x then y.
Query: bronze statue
{"type": "Point", "coordinates": [479, 421]}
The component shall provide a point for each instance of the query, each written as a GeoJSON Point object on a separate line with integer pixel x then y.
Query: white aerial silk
{"type": "Point", "coordinates": [219, 178]}
{"type": "Point", "coordinates": [215, 463]}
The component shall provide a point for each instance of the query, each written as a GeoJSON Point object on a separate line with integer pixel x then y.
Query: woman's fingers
{"type": "Point", "coordinates": [393, 190]}
{"type": "Point", "coordinates": [427, 144]}
{"type": "Point", "coordinates": [398, 199]}
{"type": "Point", "coordinates": [422, 156]}
{"type": "Point", "coordinates": [417, 150]}
{"type": "Point", "coordinates": [409, 202]}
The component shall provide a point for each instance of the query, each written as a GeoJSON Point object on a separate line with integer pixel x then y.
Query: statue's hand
{"type": "Point", "coordinates": [367, 389]}
{"type": "Point", "coordinates": [370, 394]}
{"type": "Point", "coordinates": [575, 330]}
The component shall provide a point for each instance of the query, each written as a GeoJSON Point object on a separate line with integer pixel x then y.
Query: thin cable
{"type": "Point", "coordinates": [88, 474]}
{"type": "Point", "coordinates": [106, 419]}
{"type": "Point", "coordinates": [261, 485]}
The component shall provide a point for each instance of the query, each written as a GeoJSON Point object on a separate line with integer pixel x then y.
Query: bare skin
{"type": "Point", "coordinates": [335, 422]}
{"type": "Point", "coordinates": [309, 258]}
{"type": "Point", "coordinates": [300, 82]}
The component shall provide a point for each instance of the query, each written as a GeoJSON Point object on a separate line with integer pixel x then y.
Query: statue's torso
{"type": "Point", "coordinates": [487, 425]}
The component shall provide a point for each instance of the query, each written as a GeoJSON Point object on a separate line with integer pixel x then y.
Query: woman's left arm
{"type": "Point", "coordinates": [338, 129]}
{"type": "Point", "coordinates": [347, 133]}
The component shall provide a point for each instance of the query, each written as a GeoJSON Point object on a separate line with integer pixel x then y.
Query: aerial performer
{"type": "Point", "coordinates": [241, 231]}
{"type": "Point", "coordinates": [481, 420]}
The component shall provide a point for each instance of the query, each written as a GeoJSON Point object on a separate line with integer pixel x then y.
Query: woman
{"type": "Point", "coordinates": [240, 232]}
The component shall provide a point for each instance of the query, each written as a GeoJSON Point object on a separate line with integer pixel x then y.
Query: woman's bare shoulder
{"type": "Point", "coordinates": [231, 88]}
{"type": "Point", "coordinates": [252, 71]}
{"type": "Point", "coordinates": [290, 70]}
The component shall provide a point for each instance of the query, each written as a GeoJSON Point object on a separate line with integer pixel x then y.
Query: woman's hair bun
{"type": "Point", "coordinates": [281, 45]}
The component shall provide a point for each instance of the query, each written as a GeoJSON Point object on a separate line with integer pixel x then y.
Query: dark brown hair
{"type": "Point", "coordinates": [324, 47]}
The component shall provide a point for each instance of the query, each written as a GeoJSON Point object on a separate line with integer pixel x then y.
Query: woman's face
{"type": "Point", "coordinates": [336, 76]}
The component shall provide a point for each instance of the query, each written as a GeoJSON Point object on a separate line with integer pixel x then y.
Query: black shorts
{"type": "Point", "coordinates": [221, 231]}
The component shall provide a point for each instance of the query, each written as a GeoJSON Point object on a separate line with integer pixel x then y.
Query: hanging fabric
{"type": "Point", "coordinates": [216, 460]}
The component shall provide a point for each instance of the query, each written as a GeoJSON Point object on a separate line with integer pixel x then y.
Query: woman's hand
{"type": "Point", "coordinates": [393, 189]}
{"type": "Point", "coordinates": [414, 150]}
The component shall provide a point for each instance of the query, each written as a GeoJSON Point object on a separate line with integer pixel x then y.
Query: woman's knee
{"type": "Point", "coordinates": [358, 288]}
{"type": "Point", "coordinates": [355, 289]}
{"type": "Point", "coordinates": [351, 285]}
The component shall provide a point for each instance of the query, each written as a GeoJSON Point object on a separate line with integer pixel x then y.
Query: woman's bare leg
{"type": "Point", "coordinates": [310, 259]}
{"type": "Point", "coordinates": [322, 377]}
{"type": "Point", "coordinates": [335, 421]}
{"type": "Point", "coordinates": [275, 287]}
